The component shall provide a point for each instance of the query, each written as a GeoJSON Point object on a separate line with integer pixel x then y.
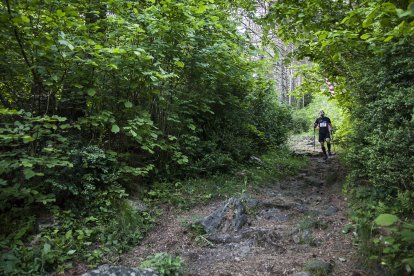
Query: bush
{"type": "Point", "coordinates": [103, 229]}
{"type": "Point", "coordinates": [164, 264]}
{"type": "Point", "coordinates": [381, 156]}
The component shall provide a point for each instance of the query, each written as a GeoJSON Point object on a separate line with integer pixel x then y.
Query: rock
{"type": "Point", "coordinates": [304, 236]}
{"type": "Point", "coordinates": [277, 202]}
{"type": "Point", "coordinates": [229, 217]}
{"type": "Point", "coordinates": [313, 181]}
{"type": "Point", "coordinates": [265, 238]}
{"type": "Point", "coordinates": [302, 208]}
{"type": "Point", "coordinates": [273, 214]}
{"type": "Point", "coordinates": [301, 274]}
{"type": "Point", "coordinates": [318, 267]}
{"type": "Point", "coordinates": [302, 175]}
{"type": "Point", "coordinates": [249, 202]}
{"type": "Point", "coordinates": [225, 238]}
{"type": "Point", "coordinates": [106, 270]}
{"type": "Point", "coordinates": [331, 210]}
{"type": "Point", "coordinates": [296, 239]}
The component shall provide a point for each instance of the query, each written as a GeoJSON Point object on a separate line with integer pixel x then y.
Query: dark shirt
{"type": "Point", "coordinates": [323, 123]}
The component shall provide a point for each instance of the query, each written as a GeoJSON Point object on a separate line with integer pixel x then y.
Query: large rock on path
{"type": "Point", "coordinates": [229, 217]}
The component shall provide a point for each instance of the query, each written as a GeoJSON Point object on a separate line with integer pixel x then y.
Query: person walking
{"type": "Point", "coordinates": [324, 125]}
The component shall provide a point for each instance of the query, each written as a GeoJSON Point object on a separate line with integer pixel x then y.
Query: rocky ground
{"type": "Point", "coordinates": [297, 226]}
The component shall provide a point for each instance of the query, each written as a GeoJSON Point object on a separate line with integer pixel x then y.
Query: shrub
{"type": "Point", "coordinates": [164, 264]}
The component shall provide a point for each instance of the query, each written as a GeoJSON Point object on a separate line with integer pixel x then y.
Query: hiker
{"type": "Point", "coordinates": [324, 125]}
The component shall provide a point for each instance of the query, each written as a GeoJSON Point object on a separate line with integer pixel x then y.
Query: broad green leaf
{"type": "Point", "coordinates": [179, 64]}
{"type": "Point", "coordinates": [66, 43]}
{"type": "Point", "coordinates": [386, 219]}
{"type": "Point", "coordinates": [365, 36]}
{"type": "Point", "coordinates": [25, 19]}
{"type": "Point", "coordinates": [71, 252]}
{"type": "Point", "coordinates": [69, 235]}
{"type": "Point", "coordinates": [368, 21]}
{"type": "Point", "coordinates": [407, 235]}
{"type": "Point", "coordinates": [201, 9]}
{"type": "Point", "coordinates": [60, 13]}
{"type": "Point", "coordinates": [46, 249]}
{"type": "Point", "coordinates": [27, 139]}
{"type": "Point", "coordinates": [115, 128]}
{"type": "Point", "coordinates": [128, 104]}
{"type": "Point", "coordinates": [91, 92]}
{"type": "Point", "coordinates": [28, 173]}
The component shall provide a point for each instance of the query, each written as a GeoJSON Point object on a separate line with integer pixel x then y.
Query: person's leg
{"type": "Point", "coordinates": [322, 141]}
{"type": "Point", "coordinates": [323, 148]}
{"type": "Point", "coordinates": [328, 142]}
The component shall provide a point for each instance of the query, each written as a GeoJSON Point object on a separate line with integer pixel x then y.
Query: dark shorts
{"type": "Point", "coordinates": [323, 136]}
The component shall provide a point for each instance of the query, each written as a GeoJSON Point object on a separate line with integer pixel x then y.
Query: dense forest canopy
{"type": "Point", "coordinates": [99, 99]}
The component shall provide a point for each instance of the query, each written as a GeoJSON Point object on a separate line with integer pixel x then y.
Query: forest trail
{"type": "Point", "coordinates": [299, 222]}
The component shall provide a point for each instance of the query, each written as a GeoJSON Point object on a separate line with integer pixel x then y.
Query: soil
{"type": "Point", "coordinates": [312, 214]}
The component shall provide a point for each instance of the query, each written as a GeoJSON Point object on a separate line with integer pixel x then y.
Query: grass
{"type": "Point", "coordinates": [274, 165]}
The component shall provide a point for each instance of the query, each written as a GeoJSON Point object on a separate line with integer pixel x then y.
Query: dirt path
{"type": "Point", "coordinates": [300, 219]}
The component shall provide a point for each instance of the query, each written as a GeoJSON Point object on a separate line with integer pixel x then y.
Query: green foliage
{"type": "Point", "coordinates": [164, 264]}
{"type": "Point", "coordinates": [365, 49]}
{"type": "Point", "coordinates": [89, 235]}
{"type": "Point", "coordinates": [393, 244]}
{"type": "Point", "coordinates": [386, 220]}
{"type": "Point", "coordinates": [98, 99]}
{"type": "Point", "coordinates": [276, 164]}
{"type": "Point", "coordinates": [303, 119]}
{"type": "Point", "coordinates": [382, 236]}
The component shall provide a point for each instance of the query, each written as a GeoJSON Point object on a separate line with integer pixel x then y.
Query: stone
{"type": "Point", "coordinates": [277, 202]}
{"type": "Point", "coordinates": [229, 217]}
{"type": "Point", "coordinates": [318, 267]}
{"type": "Point", "coordinates": [304, 236]}
{"type": "Point", "coordinates": [249, 202]}
{"type": "Point", "coordinates": [107, 270]}
{"type": "Point", "coordinates": [313, 181]}
{"type": "Point", "coordinates": [301, 274]}
{"type": "Point", "coordinates": [331, 210]}
{"type": "Point", "coordinates": [273, 214]}
{"type": "Point", "coordinates": [296, 239]}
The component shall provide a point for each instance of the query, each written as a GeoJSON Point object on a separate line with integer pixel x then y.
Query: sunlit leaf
{"type": "Point", "coordinates": [386, 219]}
{"type": "Point", "coordinates": [115, 128]}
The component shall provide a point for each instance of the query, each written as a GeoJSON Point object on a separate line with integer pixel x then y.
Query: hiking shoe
{"type": "Point", "coordinates": [330, 153]}
{"type": "Point", "coordinates": [325, 157]}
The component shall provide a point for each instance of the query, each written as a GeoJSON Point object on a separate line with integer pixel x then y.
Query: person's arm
{"type": "Point", "coordinates": [330, 127]}
{"type": "Point", "coordinates": [316, 123]}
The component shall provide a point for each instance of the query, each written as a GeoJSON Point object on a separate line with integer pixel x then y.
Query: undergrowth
{"type": "Point", "coordinates": [165, 264]}
{"type": "Point", "coordinates": [272, 166]}
{"type": "Point", "coordinates": [102, 232]}
{"type": "Point", "coordinates": [384, 233]}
